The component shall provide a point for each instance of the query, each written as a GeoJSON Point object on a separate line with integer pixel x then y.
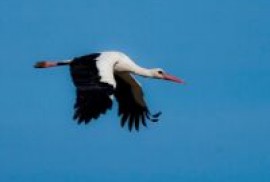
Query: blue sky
{"type": "Point", "coordinates": [215, 129]}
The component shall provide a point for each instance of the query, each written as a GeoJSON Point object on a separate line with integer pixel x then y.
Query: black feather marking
{"type": "Point", "coordinates": [154, 120]}
{"type": "Point", "coordinates": [84, 71]}
{"type": "Point", "coordinates": [137, 122]}
{"type": "Point", "coordinates": [129, 109]}
{"type": "Point", "coordinates": [143, 120]}
{"type": "Point", "coordinates": [130, 123]}
{"type": "Point", "coordinates": [157, 114]}
{"type": "Point", "coordinates": [90, 104]}
{"type": "Point", "coordinates": [124, 119]}
{"type": "Point", "coordinates": [93, 96]}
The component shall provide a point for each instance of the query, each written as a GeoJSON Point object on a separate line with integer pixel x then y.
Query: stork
{"type": "Point", "coordinates": [100, 76]}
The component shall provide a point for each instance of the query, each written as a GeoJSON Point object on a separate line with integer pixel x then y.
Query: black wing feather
{"type": "Point", "coordinates": [129, 110]}
{"type": "Point", "coordinates": [93, 96]}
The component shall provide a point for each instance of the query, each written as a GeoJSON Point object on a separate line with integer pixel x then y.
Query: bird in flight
{"type": "Point", "coordinates": [99, 77]}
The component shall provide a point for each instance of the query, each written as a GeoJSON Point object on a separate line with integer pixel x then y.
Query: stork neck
{"type": "Point", "coordinates": [143, 71]}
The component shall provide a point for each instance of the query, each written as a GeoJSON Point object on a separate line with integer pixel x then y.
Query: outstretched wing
{"type": "Point", "coordinates": [93, 96]}
{"type": "Point", "coordinates": [132, 107]}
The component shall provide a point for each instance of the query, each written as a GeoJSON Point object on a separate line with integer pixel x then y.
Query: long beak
{"type": "Point", "coordinates": [173, 78]}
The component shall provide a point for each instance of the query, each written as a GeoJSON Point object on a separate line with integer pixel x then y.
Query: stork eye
{"type": "Point", "coordinates": [160, 72]}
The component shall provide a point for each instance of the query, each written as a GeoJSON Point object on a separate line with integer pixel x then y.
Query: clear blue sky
{"type": "Point", "coordinates": [214, 129]}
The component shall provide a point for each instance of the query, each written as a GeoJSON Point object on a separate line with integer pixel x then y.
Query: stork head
{"type": "Point", "coordinates": [159, 73]}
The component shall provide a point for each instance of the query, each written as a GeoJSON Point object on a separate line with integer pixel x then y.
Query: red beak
{"type": "Point", "coordinates": [173, 78]}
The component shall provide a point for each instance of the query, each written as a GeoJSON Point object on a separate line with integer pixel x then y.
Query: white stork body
{"type": "Point", "coordinates": [99, 76]}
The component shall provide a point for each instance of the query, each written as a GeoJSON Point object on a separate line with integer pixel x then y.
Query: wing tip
{"type": "Point", "coordinates": [134, 123]}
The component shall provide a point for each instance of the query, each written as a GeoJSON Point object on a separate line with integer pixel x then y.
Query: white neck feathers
{"type": "Point", "coordinates": [126, 64]}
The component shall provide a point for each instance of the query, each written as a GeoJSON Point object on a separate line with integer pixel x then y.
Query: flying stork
{"type": "Point", "coordinates": [100, 76]}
